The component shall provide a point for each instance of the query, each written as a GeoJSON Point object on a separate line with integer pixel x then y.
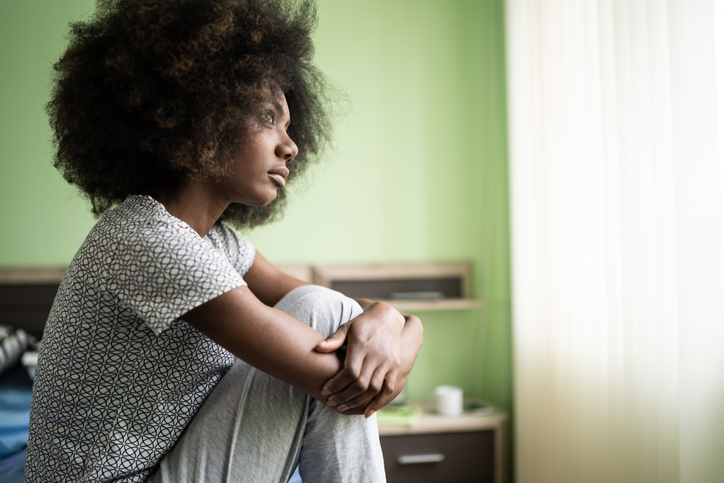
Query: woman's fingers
{"type": "Point", "coordinates": [381, 399]}
{"type": "Point", "coordinates": [368, 384]}
{"type": "Point", "coordinates": [360, 391]}
{"type": "Point", "coordinates": [364, 398]}
{"type": "Point", "coordinates": [358, 353]}
{"type": "Point", "coordinates": [342, 399]}
{"type": "Point", "coordinates": [349, 374]}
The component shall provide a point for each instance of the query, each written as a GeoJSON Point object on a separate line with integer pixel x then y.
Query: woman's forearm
{"type": "Point", "coordinates": [266, 338]}
{"type": "Point", "coordinates": [413, 338]}
{"type": "Point", "coordinates": [411, 341]}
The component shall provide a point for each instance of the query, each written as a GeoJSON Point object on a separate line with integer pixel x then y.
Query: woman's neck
{"type": "Point", "coordinates": [195, 202]}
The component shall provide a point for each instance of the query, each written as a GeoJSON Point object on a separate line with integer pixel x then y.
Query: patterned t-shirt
{"type": "Point", "coordinates": [119, 375]}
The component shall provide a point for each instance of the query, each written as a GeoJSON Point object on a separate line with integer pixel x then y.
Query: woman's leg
{"type": "Point", "coordinates": [255, 428]}
{"type": "Point", "coordinates": [334, 447]}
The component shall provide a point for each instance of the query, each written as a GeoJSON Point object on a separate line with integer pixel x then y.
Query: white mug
{"type": "Point", "coordinates": [449, 400]}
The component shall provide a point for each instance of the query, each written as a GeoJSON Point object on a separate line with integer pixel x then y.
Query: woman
{"type": "Point", "coordinates": [174, 351]}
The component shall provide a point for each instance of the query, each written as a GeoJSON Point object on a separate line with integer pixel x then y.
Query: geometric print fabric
{"type": "Point", "coordinates": [119, 375]}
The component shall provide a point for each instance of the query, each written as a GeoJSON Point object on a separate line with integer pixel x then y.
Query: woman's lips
{"type": "Point", "coordinates": [278, 179]}
{"type": "Point", "coordinates": [279, 176]}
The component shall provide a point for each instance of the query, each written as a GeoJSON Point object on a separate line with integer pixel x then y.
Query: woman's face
{"type": "Point", "coordinates": [260, 167]}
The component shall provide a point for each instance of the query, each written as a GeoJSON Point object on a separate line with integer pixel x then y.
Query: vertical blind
{"type": "Point", "coordinates": [617, 212]}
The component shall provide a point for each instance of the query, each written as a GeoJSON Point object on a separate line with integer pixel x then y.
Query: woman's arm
{"type": "Point", "coordinates": [380, 354]}
{"type": "Point", "coordinates": [266, 338]}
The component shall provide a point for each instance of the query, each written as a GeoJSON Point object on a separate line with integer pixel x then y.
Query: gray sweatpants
{"type": "Point", "coordinates": [255, 428]}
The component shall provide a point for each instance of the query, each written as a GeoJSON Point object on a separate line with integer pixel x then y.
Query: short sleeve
{"type": "Point", "coordinates": [237, 249]}
{"type": "Point", "coordinates": [166, 269]}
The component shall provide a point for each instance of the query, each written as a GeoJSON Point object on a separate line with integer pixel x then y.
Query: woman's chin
{"type": "Point", "coordinates": [262, 201]}
{"type": "Point", "coordinates": [258, 199]}
{"type": "Point", "coordinates": [269, 201]}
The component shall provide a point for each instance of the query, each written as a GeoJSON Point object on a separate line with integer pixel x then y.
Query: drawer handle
{"type": "Point", "coordinates": [416, 459]}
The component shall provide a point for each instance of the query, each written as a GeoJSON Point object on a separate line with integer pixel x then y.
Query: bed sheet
{"type": "Point", "coordinates": [16, 389]}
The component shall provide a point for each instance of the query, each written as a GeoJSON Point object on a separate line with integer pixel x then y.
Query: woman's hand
{"type": "Point", "coordinates": [382, 344]}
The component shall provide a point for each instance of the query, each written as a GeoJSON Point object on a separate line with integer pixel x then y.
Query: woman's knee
{"type": "Point", "coordinates": [321, 308]}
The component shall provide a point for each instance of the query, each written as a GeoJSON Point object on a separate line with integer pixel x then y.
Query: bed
{"type": "Point", "coordinates": [26, 295]}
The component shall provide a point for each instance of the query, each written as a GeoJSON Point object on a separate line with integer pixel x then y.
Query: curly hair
{"type": "Point", "coordinates": [152, 89]}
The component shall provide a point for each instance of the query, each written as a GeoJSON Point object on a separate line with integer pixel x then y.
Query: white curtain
{"type": "Point", "coordinates": [617, 207]}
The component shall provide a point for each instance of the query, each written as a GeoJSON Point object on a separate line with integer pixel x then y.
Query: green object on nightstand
{"type": "Point", "coordinates": [398, 415]}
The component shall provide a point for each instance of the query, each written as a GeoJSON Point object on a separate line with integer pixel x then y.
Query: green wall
{"type": "Point", "coordinates": [419, 171]}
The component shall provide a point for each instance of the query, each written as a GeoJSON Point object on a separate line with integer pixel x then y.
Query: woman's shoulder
{"type": "Point", "coordinates": [151, 262]}
{"type": "Point", "coordinates": [141, 214]}
{"type": "Point", "coordinates": [139, 235]}
{"type": "Point", "coordinates": [140, 223]}
{"type": "Point", "coordinates": [233, 245]}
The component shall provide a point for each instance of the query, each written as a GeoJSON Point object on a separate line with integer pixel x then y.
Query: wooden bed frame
{"type": "Point", "coordinates": [26, 295]}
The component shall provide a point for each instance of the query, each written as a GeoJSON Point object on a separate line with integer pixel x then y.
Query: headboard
{"type": "Point", "coordinates": [26, 295]}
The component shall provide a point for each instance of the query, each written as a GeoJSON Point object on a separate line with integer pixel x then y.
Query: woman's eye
{"type": "Point", "coordinates": [269, 117]}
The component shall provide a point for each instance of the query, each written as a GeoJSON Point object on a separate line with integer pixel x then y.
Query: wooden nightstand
{"type": "Point", "coordinates": [463, 449]}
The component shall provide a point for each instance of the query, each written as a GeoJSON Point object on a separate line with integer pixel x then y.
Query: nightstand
{"type": "Point", "coordinates": [463, 449]}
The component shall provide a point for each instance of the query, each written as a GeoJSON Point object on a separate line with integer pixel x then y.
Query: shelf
{"type": "Point", "coordinates": [432, 305]}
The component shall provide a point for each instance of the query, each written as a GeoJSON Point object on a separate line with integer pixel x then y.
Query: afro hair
{"type": "Point", "coordinates": [153, 89]}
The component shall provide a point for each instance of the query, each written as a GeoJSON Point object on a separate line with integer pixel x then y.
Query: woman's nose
{"type": "Point", "coordinates": [287, 149]}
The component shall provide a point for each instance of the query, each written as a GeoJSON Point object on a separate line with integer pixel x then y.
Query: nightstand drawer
{"type": "Point", "coordinates": [450, 457]}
